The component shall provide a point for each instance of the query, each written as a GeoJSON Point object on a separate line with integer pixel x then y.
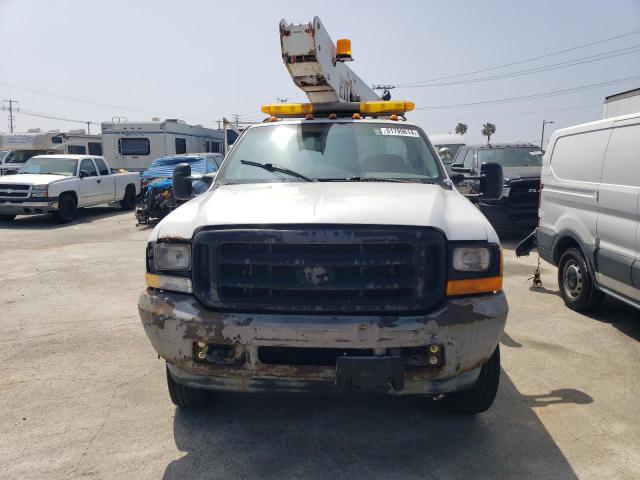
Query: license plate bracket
{"type": "Point", "coordinates": [380, 374]}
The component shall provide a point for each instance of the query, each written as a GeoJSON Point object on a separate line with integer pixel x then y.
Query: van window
{"type": "Point", "coordinates": [102, 167]}
{"type": "Point", "coordinates": [181, 145]}
{"type": "Point", "coordinates": [134, 146]}
{"type": "Point", "coordinates": [621, 164]}
{"type": "Point", "coordinates": [579, 157]}
{"type": "Point", "coordinates": [95, 148]}
{"type": "Point", "coordinates": [56, 139]}
{"type": "Point", "coordinates": [88, 165]}
{"type": "Point", "coordinates": [459, 158]}
{"type": "Point", "coordinates": [76, 149]}
{"type": "Point", "coordinates": [216, 147]}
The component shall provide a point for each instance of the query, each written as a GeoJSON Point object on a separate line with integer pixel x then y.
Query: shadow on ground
{"type": "Point", "coordinates": [46, 221]}
{"type": "Point", "coordinates": [301, 436]}
{"type": "Point", "coordinates": [619, 315]}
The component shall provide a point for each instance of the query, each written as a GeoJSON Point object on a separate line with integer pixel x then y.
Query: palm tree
{"type": "Point", "coordinates": [488, 129]}
{"type": "Point", "coordinates": [461, 128]}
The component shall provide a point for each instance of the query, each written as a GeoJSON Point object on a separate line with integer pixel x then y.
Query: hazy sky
{"type": "Point", "coordinates": [201, 60]}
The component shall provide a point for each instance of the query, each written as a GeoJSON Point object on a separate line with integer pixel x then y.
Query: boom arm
{"type": "Point", "coordinates": [310, 56]}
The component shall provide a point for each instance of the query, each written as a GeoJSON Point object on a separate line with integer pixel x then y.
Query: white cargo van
{"type": "Point", "coordinates": [590, 209]}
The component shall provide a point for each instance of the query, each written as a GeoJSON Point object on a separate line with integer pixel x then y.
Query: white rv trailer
{"type": "Point", "coordinates": [17, 148]}
{"type": "Point", "coordinates": [134, 145]}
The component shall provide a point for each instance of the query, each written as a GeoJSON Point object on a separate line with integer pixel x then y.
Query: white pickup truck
{"type": "Point", "coordinates": [60, 184]}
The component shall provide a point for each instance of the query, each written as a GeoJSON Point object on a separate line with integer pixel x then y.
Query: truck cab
{"type": "Point", "coordinates": [331, 252]}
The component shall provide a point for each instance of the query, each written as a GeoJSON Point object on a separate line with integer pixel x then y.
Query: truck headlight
{"type": "Point", "coordinates": [40, 191]}
{"type": "Point", "coordinates": [172, 256]}
{"type": "Point", "coordinates": [476, 268]}
{"type": "Point", "coordinates": [471, 259]}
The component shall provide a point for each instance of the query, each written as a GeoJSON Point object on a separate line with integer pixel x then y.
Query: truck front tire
{"type": "Point", "coordinates": [480, 397]}
{"type": "Point", "coordinates": [576, 285]}
{"type": "Point", "coordinates": [129, 200]}
{"type": "Point", "coordinates": [67, 208]}
{"type": "Point", "coordinates": [185, 397]}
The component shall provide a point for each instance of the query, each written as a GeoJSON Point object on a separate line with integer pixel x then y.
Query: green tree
{"type": "Point", "coordinates": [461, 128]}
{"type": "Point", "coordinates": [488, 129]}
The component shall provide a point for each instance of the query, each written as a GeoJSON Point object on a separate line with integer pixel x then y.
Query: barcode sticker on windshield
{"type": "Point", "coordinates": [402, 132]}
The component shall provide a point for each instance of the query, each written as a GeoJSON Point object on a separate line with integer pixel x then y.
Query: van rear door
{"type": "Point", "coordinates": [618, 211]}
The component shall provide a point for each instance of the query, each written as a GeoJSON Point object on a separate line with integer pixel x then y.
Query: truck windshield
{"type": "Point", "coordinates": [332, 151]}
{"type": "Point", "coordinates": [512, 157]}
{"type": "Point", "coordinates": [51, 166]}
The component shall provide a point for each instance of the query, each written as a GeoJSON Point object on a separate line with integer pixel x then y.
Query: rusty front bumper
{"type": "Point", "coordinates": [469, 328]}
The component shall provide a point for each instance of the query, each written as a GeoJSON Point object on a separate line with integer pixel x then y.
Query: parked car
{"type": "Point", "coordinates": [590, 209]}
{"type": "Point", "coordinates": [521, 164]}
{"type": "Point", "coordinates": [60, 184]}
{"type": "Point", "coordinates": [329, 253]}
{"type": "Point", "coordinates": [157, 199]}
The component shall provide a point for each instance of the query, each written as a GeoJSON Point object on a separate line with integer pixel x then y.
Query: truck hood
{"type": "Point", "coordinates": [405, 204]}
{"type": "Point", "coordinates": [31, 179]}
{"type": "Point", "coordinates": [519, 173]}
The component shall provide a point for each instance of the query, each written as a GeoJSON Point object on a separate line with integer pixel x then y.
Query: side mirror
{"type": "Point", "coordinates": [84, 174]}
{"type": "Point", "coordinates": [209, 178]}
{"type": "Point", "coordinates": [182, 187]}
{"type": "Point", "coordinates": [491, 181]}
{"type": "Point", "coordinates": [456, 178]}
{"type": "Point", "coordinates": [460, 169]}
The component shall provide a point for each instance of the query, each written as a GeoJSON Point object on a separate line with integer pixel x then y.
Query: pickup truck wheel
{"type": "Point", "coordinates": [7, 218]}
{"type": "Point", "coordinates": [480, 397]}
{"type": "Point", "coordinates": [129, 200]}
{"type": "Point", "coordinates": [67, 208]}
{"type": "Point", "coordinates": [575, 282]}
{"type": "Point", "coordinates": [185, 397]}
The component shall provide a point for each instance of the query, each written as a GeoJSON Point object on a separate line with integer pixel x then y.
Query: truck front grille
{"type": "Point", "coordinates": [10, 190]}
{"type": "Point", "coordinates": [315, 269]}
{"type": "Point", "coordinates": [525, 192]}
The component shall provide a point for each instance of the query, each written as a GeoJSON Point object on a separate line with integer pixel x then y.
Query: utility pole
{"type": "Point", "coordinates": [224, 133]}
{"type": "Point", "coordinates": [236, 120]}
{"type": "Point", "coordinates": [544, 122]}
{"type": "Point", "coordinates": [11, 109]}
{"type": "Point", "coordinates": [88, 128]}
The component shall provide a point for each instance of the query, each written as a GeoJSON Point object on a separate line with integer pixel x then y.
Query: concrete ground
{"type": "Point", "coordinates": [82, 393]}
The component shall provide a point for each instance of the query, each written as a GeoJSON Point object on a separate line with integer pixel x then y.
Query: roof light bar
{"type": "Point", "coordinates": [398, 107]}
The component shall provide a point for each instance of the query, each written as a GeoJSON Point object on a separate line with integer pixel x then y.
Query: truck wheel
{"type": "Point", "coordinates": [129, 200]}
{"type": "Point", "coordinates": [576, 286]}
{"type": "Point", "coordinates": [7, 218]}
{"type": "Point", "coordinates": [480, 397]}
{"type": "Point", "coordinates": [185, 397]}
{"type": "Point", "coordinates": [67, 208]}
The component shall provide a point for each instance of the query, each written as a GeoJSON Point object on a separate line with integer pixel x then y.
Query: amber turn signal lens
{"type": "Point", "coordinates": [474, 286]}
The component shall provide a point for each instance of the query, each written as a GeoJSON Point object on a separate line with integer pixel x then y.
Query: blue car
{"type": "Point", "coordinates": [156, 197]}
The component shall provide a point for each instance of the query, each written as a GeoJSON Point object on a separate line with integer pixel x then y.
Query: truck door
{"type": "Point", "coordinates": [89, 186]}
{"type": "Point", "coordinates": [107, 181]}
{"type": "Point", "coordinates": [618, 215]}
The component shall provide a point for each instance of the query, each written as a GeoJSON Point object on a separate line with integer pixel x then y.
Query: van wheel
{"type": "Point", "coordinates": [67, 208]}
{"type": "Point", "coordinates": [129, 200]}
{"type": "Point", "coordinates": [480, 397]}
{"type": "Point", "coordinates": [7, 218]}
{"type": "Point", "coordinates": [185, 397]}
{"type": "Point", "coordinates": [575, 282]}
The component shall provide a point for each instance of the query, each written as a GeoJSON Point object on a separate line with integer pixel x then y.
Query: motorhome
{"type": "Point", "coordinates": [17, 148]}
{"type": "Point", "coordinates": [134, 145]}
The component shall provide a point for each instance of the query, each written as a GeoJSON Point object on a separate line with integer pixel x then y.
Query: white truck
{"type": "Point", "coordinates": [332, 251]}
{"type": "Point", "coordinates": [60, 184]}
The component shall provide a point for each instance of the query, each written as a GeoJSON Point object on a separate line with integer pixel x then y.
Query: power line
{"type": "Point", "coordinates": [526, 60]}
{"type": "Point", "coordinates": [534, 96]}
{"type": "Point", "coordinates": [545, 68]}
{"type": "Point", "coordinates": [31, 113]}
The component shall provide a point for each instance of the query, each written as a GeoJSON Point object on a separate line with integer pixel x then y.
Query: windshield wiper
{"type": "Point", "coordinates": [369, 179]}
{"type": "Point", "coordinates": [270, 167]}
